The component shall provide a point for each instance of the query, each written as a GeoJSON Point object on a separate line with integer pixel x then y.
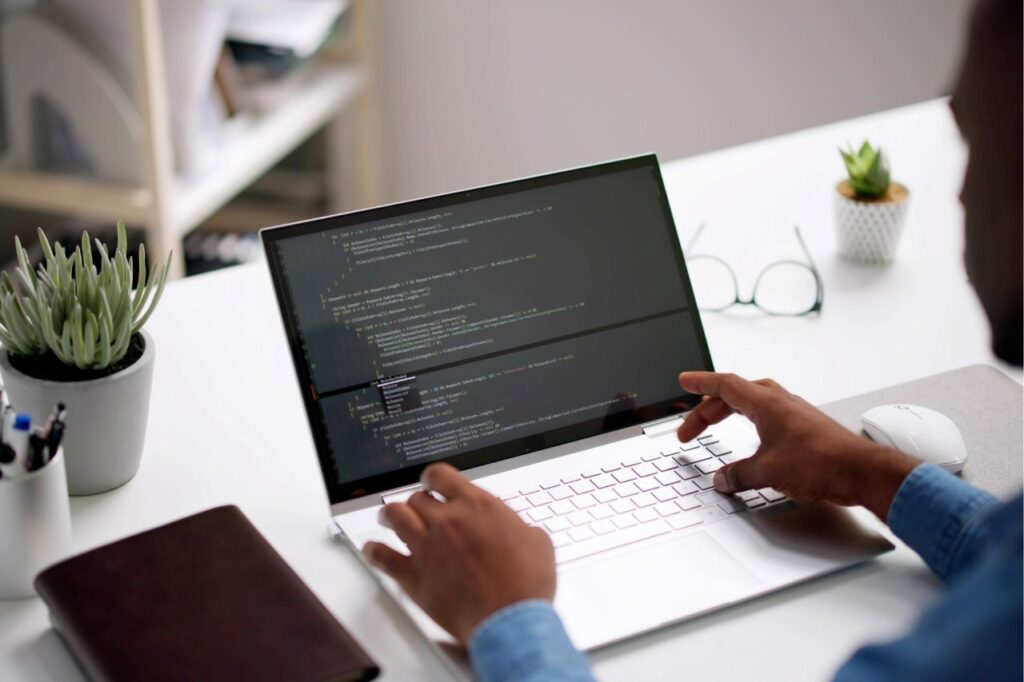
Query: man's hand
{"type": "Point", "coordinates": [470, 555]}
{"type": "Point", "coordinates": [803, 453]}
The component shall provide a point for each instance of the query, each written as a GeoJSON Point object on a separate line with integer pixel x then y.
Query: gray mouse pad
{"type": "Point", "coordinates": [985, 404]}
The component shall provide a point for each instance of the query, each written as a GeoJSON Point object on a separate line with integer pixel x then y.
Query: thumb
{"type": "Point", "coordinates": [739, 476]}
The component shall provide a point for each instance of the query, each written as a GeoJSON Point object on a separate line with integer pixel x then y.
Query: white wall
{"type": "Point", "coordinates": [476, 91]}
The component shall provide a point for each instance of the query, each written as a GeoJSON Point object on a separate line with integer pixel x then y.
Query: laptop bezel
{"type": "Point", "coordinates": [351, 490]}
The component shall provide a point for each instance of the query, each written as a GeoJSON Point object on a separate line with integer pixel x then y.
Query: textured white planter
{"type": "Point", "coordinates": [868, 230]}
{"type": "Point", "coordinates": [106, 419]}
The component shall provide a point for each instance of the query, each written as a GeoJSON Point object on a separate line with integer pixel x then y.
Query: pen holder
{"type": "Point", "coordinates": [35, 526]}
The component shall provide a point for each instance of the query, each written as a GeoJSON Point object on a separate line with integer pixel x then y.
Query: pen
{"type": "Point", "coordinates": [56, 415]}
{"type": "Point", "coordinates": [18, 441]}
{"type": "Point", "coordinates": [54, 434]}
{"type": "Point", "coordinates": [36, 451]}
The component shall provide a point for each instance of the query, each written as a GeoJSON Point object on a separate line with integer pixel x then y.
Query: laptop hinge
{"type": "Point", "coordinates": [660, 427]}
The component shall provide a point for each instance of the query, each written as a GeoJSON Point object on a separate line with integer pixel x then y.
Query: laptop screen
{"type": "Point", "coordinates": [486, 324]}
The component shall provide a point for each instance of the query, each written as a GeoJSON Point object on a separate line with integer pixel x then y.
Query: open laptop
{"type": "Point", "coordinates": [531, 334]}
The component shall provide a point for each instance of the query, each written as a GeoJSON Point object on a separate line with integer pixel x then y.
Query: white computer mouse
{"type": "Point", "coordinates": [918, 431]}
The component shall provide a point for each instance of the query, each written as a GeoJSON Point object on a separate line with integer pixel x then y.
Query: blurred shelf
{"type": "Point", "coordinates": [252, 145]}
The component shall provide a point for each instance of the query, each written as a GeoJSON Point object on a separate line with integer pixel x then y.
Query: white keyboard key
{"type": "Point", "coordinates": [626, 489]}
{"type": "Point", "coordinates": [709, 514]}
{"type": "Point", "coordinates": [590, 473]}
{"type": "Point", "coordinates": [709, 466]}
{"type": "Point", "coordinates": [601, 512]}
{"type": "Point", "coordinates": [612, 540]}
{"type": "Point", "coordinates": [651, 456]}
{"type": "Point", "coordinates": [539, 499]}
{"type": "Point", "coordinates": [693, 456]}
{"type": "Point", "coordinates": [507, 496]}
{"type": "Point", "coordinates": [631, 462]}
{"type": "Point", "coordinates": [712, 497]}
{"type": "Point", "coordinates": [570, 478]}
{"type": "Point", "coordinates": [602, 527]}
{"type": "Point", "coordinates": [687, 503]}
{"type": "Point", "coordinates": [539, 514]}
{"type": "Point", "coordinates": [581, 487]}
{"type": "Point", "coordinates": [524, 517]}
{"type": "Point", "coordinates": [666, 509]}
{"type": "Point", "coordinates": [707, 438]}
{"type": "Point", "coordinates": [547, 485]}
{"type": "Point", "coordinates": [560, 493]}
{"type": "Point", "coordinates": [645, 515]}
{"type": "Point", "coordinates": [705, 482]}
{"type": "Point", "coordinates": [584, 501]}
{"type": "Point", "coordinates": [647, 484]}
{"type": "Point", "coordinates": [684, 520]}
{"type": "Point", "coordinates": [528, 490]}
{"type": "Point", "coordinates": [579, 518]}
{"type": "Point", "coordinates": [644, 500]}
{"type": "Point", "coordinates": [624, 521]}
{"type": "Point", "coordinates": [608, 468]}
{"type": "Point", "coordinates": [689, 445]}
{"type": "Point", "coordinates": [561, 508]}
{"type": "Point", "coordinates": [771, 494]}
{"type": "Point", "coordinates": [731, 506]}
{"type": "Point", "coordinates": [665, 494]}
{"type": "Point", "coordinates": [717, 449]}
{"type": "Point", "coordinates": [605, 495]}
{"type": "Point", "coordinates": [624, 475]}
{"type": "Point", "coordinates": [580, 534]}
{"type": "Point", "coordinates": [667, 464]}
{"type": "Point", "coordinates": [754, 502]}
{"type": "Point", "coordinates": [644, 469]}
{"type": "Point", "coordinates": [603, 481]}
{"type": "Point", "coordinates": [669, 452]}
{"type": "Point", "coordinates": [518, 504]}
{"type": "Point", "coordinates": [560, 539]}
{"type": "Point", "coordinates": [622, 506]}
{"type": "Point", "coordinates": [730, 458]}
{"type": "Point", "coordinates": [667, 478]}
{"type": "Point", "coordinates": [685, 488]}
{"type": "Point", "coordinates": [556, 524]}
{"type": "Point", "coordinates": [748, 495]}
{"type": "Point", "coordinates": [687, 472]}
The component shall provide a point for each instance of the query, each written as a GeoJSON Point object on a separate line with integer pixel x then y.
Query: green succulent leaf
{"type": "Point", "coordinates": [868, 170]}
{"type": "Point", "coordinates": [79, 307]}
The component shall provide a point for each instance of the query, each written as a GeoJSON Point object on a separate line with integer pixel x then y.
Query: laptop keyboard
{"type": "Point", "coordinates": [655, 493]}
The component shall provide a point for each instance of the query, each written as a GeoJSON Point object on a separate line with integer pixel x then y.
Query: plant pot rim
{"type": "Point", "coordinates": [144, 359]}
{"type": "Point", "coordinates": [899, 186]}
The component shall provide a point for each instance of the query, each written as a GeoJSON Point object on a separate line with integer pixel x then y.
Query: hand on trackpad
{"type": "Point", "coordinates": [649, 587]}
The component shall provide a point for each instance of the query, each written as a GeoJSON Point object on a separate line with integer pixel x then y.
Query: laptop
{"type": "Point", "coordinates": [531, 333]}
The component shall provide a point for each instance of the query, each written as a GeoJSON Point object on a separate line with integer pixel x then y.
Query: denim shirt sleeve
{"type": "Point", "coordinates": [526, 642]}
{"type": "Point", "coordinates": [937, 514]}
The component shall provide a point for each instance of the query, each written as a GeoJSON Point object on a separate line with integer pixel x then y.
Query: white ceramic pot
{"type": "Point", "coordinates": [868, 230]}
{"type": "Point", "coordinates": [106, 419]}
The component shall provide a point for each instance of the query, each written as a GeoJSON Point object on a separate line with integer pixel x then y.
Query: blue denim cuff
{"type": "Point", "coordinates": [934, 512]}
{"type": "Point", "coordinates": [526, 641]}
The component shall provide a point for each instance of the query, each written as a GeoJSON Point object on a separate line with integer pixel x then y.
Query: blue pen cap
{"type": "Point", "coordinates": [22, 422]}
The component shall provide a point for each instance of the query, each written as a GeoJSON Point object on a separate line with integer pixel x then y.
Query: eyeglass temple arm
{"type": "Point", "coordinates": [695, 237]}
{"type": "Point", "coordinates": [803, 245]}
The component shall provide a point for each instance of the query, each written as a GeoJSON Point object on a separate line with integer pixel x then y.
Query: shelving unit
{"type": "Point", "coordinates": [168, 207]}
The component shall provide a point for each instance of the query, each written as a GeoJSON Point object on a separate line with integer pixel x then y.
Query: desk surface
{"type": "Point", "coordinates": [226, 423]}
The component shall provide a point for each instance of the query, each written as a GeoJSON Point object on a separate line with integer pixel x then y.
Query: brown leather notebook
{"type": "Point", "coordinates": [203, 598]}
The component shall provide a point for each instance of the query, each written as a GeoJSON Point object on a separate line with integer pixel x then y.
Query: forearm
{"type": "Point", "coordinates": [526, 642]}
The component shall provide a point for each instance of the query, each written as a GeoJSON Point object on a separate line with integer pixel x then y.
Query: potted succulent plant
{"type": "Point", "coordinates": [869, 207]}
{"type": "Point", "coordinates": [72, 333]}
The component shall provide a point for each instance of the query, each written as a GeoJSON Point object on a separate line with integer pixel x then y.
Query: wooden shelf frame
{"type": "Point", "coordinates": [168, 207]}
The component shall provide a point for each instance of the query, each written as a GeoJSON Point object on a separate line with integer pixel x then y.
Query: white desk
{"type": "Point", "coordinates": [227, 425]}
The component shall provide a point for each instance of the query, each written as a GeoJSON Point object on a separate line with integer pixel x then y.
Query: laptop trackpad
{"type": "Point", "coordinates": [613, 597]}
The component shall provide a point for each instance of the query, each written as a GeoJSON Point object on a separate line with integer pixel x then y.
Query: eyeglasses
{"type": "Point", "coordinates": [786, 287]}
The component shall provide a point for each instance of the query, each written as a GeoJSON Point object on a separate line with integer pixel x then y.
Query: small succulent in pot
{"type": "Point", "coordinates": [870, 208]}
{"type": "Point", "coordinates": [71, 331]}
